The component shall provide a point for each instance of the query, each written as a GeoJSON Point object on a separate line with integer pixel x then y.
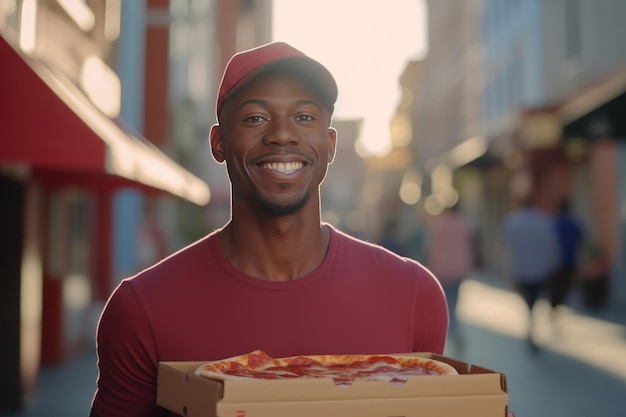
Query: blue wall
{"type": "Point", "coordinates": [127, 204]}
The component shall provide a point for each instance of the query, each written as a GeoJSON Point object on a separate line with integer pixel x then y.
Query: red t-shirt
{"type": "Point", "coordinates": [195, 306]}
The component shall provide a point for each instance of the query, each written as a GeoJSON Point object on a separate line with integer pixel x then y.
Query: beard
{"type": "Point", "coordinates": [283, 208]}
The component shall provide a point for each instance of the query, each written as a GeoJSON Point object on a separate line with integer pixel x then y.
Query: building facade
{"type": "Point", "coordinates": [66, 153]}
{"type": "Point", "coordinates": [552, 106]}
{"type": "Point", "coordinates": [541, 84]}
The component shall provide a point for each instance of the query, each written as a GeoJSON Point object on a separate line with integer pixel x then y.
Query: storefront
{"type": "Point", "coordinates": [61, 162]}
{"type": "Point", "coordinates": [594, 127]}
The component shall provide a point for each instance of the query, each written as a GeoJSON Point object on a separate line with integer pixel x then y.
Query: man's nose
{"type": "Point", "coordinates": [281, 132]}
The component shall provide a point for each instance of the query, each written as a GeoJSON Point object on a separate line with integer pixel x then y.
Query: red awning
{"type": "Point", "coordinates": [49, 126]}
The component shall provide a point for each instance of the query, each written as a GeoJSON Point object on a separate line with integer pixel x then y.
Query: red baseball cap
{"type": "Point", "coordinates": [244, 66]}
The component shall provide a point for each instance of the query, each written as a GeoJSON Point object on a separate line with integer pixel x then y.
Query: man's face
{"type": "Point", "coordinates": [275, 138]}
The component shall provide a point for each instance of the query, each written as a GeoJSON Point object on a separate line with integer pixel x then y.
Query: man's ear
{"type": "Point", "coordinates": [332, 144]}
{"type": "Point", "coordinates": [216, 141]}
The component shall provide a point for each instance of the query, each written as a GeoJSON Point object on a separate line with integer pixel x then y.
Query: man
{"type": "Point", "coordinates": [275, 277]}
{"type": "Point", "coordinates": [533, 253]}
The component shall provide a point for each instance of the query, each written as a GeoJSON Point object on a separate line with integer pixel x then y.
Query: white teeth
{"type": "Point", "coordinates": [284, 167]}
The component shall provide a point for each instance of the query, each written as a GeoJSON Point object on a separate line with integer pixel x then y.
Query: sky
{"type": "Point", "coordinates": [365, 44]}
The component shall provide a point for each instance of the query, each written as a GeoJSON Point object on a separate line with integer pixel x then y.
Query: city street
{"type": "Point", "coordinates": [580, 370]}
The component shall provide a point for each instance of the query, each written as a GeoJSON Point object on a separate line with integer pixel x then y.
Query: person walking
{"type": "Point", "coordinates": [532, 249]}
{"type": "Point", "coordinates": [450, 257]}
{"type": "Point", "coordinates": [570, 235]}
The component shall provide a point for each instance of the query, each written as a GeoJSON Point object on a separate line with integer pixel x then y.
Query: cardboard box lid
{"type": "Point", "coordinates": [180, 391]}
{"type": "Point", "coordinates": [477, 389]}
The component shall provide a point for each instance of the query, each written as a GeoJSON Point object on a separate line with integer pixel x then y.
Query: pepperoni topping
{"type": "Point", "coordinates": [303, 361]}
{"type": "Point", "coordinates": [258, 359]}
{"type": "Point", "coordinates": [342, 370]}
{"type": "Point", "coordinates": [387, 359]}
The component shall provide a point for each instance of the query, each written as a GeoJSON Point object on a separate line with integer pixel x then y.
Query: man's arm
{"type": "Point", "coordinates": [430, 314]}
{"type": "Point", "coordinates": [127, 359]}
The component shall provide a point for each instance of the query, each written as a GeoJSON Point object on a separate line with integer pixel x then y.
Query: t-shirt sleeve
{"type": "Point", "coordinates": [430, 318]}
{"type": "Point", "coordinates": [127, 359]}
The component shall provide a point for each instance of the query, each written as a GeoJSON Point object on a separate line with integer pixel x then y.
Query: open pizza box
{"type": "Point", "coordinates": [475, 392]}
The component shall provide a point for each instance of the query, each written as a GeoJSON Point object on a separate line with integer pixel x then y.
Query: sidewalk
{"type": "Point", "coordinates": [65, 390]}
{"type": "Point", "coordinates": [613, 312]}
{"type": "Point", "coordinates": [579, 372]}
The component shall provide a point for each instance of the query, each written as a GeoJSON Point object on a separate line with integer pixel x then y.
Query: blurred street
{"type": "Point", "coordinates": [579, 372]}
{"type": "Point", "coordinates": [468, 106]}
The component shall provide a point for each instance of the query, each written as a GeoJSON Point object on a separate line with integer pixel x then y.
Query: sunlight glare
{"type": "Point", "coordinates": [365, 44]}
{"type": "Point", "coordinates": [595, 342]}
{"type": "Point", "coordinates": [28, 20]}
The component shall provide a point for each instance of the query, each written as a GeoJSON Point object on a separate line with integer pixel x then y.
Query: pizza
{"type": "Point", "coordinates": [342, 369]}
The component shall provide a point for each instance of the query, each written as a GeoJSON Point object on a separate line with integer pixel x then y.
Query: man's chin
{"type": "Point", "coordinates": [282, 208]}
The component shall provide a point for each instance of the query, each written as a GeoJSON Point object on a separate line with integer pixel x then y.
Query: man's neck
{"type": "Point", "coordinates": [276, 249]}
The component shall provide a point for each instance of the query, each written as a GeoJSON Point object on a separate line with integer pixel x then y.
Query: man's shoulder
{"type": "Point", "coordinates": [347, 239]}
{"type": "Point", "coordinates": [368, 254]}
{"type": "Point", "coordinates": [354, 243]}
{"type": "Point", "coordinates": [186, 260]}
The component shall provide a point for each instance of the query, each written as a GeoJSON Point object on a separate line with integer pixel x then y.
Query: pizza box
{"type": "Point", "coordinates": [475, 392]}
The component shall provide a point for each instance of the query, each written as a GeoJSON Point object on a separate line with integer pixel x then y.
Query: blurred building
{"type": "Point", "coordinates": [448, 141]}
{"type": "Point", "coordinates": [343, 202]}
{"type": "Point", "coordinates": [526, 97]}
{"type": "Point", "coordinates": [553, 107]}
{"type": "Point", "coordinates": [394, 182]}
{"type": "Point", "coordinates": [73, 81]}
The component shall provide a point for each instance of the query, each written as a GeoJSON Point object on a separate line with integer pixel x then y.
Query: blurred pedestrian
{"type": "Point", "coordinates": [532, 248]}
{"type": "Point", "coordinates": [570, 235]}
{"type": "Point", "coordinates": [450, 256]}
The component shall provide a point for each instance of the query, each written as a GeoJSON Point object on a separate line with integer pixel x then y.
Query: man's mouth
{"type": "Point", "coordinates": [283, 167]}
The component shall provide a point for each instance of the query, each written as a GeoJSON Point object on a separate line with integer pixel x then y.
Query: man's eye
{"type": "Point", "coordinates": [255, 119]}
{"type": "Point", "coordinates": [304, 118]}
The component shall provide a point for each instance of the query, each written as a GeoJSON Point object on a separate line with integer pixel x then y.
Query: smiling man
{"type": "Point", "coordinates": [275, 277]}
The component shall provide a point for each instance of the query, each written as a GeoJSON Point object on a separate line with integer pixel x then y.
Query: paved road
{"type": "Point", "coordinates": [579, 372]}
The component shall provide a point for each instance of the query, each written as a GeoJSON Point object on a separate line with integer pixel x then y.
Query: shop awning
{"type": "Point", "coordinates": [597, 108]}
{"type": "Point", "coordinates": [50, 127]}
